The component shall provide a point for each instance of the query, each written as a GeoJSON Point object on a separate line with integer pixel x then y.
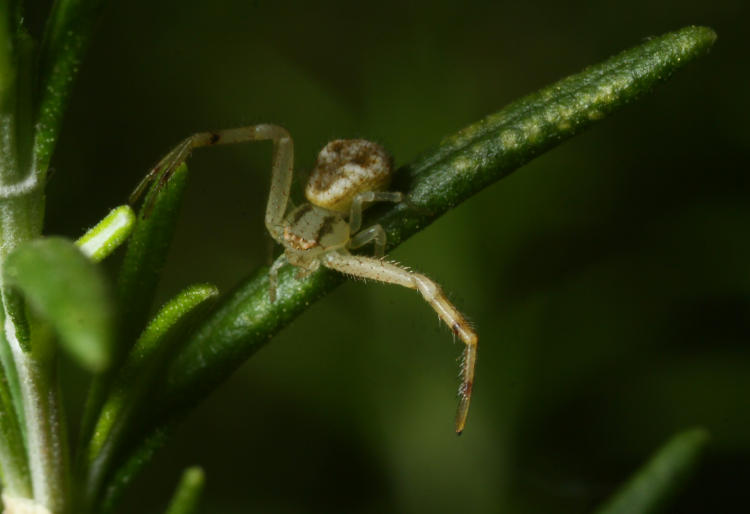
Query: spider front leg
{"type": "Point", "coordinates": [281, 177]}
{"type": "Point", "coordinates": [388, 272]}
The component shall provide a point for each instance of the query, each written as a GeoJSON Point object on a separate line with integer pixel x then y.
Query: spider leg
{"type": "Point", "coordinates": [374, 233]}
{"type": "Point", "coordinates": [273, 276]}
{"type": "Point", "coordinates": [165, 165]}
{"type": "Point", "coordinates": [355, 212]}
{"type": "Point", "coordinates": [388, 272]}
{"type": "Point", "coordinates": [281, 175]}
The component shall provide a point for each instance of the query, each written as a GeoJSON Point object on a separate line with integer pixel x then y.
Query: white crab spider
{"type": "Point", "coordinates": [348, 175]}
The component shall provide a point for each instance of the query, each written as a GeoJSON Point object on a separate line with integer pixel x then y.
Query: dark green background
{"type": "Point", "coordinates": [609, 280]}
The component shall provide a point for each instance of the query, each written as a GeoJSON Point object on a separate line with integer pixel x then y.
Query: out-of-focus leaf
{"type": "Point", "coordinates": [137, 459]}
{"type": "Point", "coordinates": [188, 492]}
{"type": "Point", "coordinates": [125, 400]}
{"type": "Point", "coordinates": [138, 277]}
{"type": "Point", "coordinates": [650, 490]}
{"type": "Point", "coordinates": [67, 290]}
{"type": "Point", "coordinates": [7, 74]}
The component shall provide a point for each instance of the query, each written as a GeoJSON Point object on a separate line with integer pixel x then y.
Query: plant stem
{"type": "Point", "coordinates": [31, 375]}
{"type": "Point", "coordinates": [48, 452]}
{"type": "Point", "coordinates": [16, 478]}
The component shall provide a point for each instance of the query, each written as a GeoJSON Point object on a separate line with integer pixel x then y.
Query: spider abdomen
{"type": "Point", "coordinates": [346, 167]}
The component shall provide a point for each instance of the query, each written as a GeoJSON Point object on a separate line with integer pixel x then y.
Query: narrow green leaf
{"type": "Point", "coordinates": [240, 326]}
{"type": "Point", "coordinates": [15, 311]}
{"type": "Point", "coordinates": [147, 252]}
{"type": "Point", "coordinates": [68, 291]}
{"type": "Point", "coordinates": [126, 398]}
{"type": "Point", "coordinates": [13, 462]}
{"type": "Point", "coordinates": [188, 492]}
{"type": "Point", "coordinates": [17, 12]}
{"type": "Point", "coordinates": [10, 374]}
{"type": "Point", "coordinates": [139, 274]}
{"type": "Point", "coordinates": [662, 478]}
{"type": "Point", "coordinates": [7, 73]}
{"type": "Point", "coordinates": [25, 55]}
{"type": "Point", "coordinates": [137, 459]}
{"type": "Point", "coordinates": [69, 28]}
{"type": "Point", "coordinates": [461, 166]}
{"type": "Point", "coordinates": [104, 238]}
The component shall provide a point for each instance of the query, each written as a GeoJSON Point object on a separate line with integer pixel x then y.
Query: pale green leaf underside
{"type": "Point", "coordinates": [65, 289]}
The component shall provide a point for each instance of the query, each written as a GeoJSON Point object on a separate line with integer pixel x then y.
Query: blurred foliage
{"type": "Point", "coordinates": [608, 278]}
{"type": "Point", "coordinates": [655, 485]}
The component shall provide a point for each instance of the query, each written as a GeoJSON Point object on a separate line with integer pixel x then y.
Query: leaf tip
{"type": "Point", "coordinates": [696, 437]}
{"type": "Point", "coordinates": [194, 476]}
{"type": "Point", "coordinates": [107, 235]}
{"type": "Point", "coordinates": [696, 39]}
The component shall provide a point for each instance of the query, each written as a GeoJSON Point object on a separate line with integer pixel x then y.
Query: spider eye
{"type": "Point", "coordinates": [346, 167]}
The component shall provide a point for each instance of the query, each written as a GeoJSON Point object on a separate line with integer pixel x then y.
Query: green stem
{"type": "Point", "coordinates": [16, 478]}
{"type": "Point", "coordinates": [31, 376]}
{"type": "Point", "coordinates": [47, 446]}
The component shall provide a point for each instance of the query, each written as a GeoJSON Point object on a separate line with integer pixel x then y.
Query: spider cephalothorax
{"type": "Point", "coordinates": [349, 175]}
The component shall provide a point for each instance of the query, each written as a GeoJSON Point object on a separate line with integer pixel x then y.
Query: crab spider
{"type": "Point", "coordinates": [349, 174]}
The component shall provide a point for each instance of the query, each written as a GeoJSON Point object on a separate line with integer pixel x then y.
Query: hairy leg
{"type": "Point", "coordinates": [388, 272]}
